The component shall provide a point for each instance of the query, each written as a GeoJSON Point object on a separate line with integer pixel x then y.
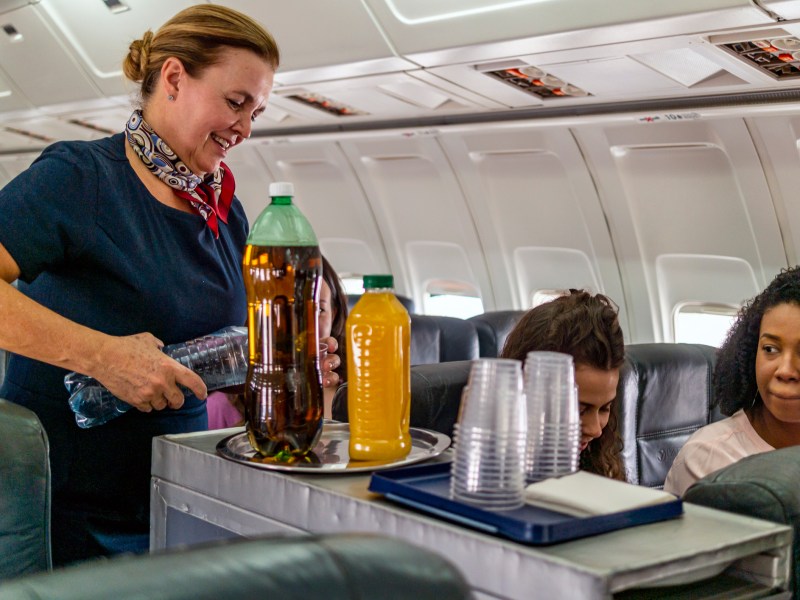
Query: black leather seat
{"type": "Point", "coordinates": [435, 395]}
{"type": "Point", "coordinates": [664, 395]}
{"type": "Point", "coordinates": [442, 339]}
{"type": "Point", "coordinates": [340, 566]}
{"type": "Point", "coordinates": [764, 486]}
{"type": "Point", "coordinates": [493, 329]}
{"type": "Point", "coordinates": [335, 567]}
{"type": "Point", "coordinates": [24, 493]}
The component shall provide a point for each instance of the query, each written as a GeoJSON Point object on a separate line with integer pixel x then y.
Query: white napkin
{"type": "Point", "coordinates": [583, 494]}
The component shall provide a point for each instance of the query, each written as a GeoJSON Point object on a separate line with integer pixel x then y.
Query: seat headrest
{"type": "Point", "coordinates": [664, 395]}
{"type": "Point", "coordinates": [762, 486]}
{"type": "Point", "coordinates": [493, 329]}
{"type": "Point", "coordinates": [24, 492]}
{"type": "Point", "coordinates": [442, 339]}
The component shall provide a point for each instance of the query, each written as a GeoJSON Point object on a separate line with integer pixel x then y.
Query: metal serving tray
{"type": "Point", "coordinates": [331, 454]}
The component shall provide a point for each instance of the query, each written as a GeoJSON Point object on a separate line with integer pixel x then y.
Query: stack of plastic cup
{"type": "Point", "coordinates": [488, 468]}
{"type": "Point", "coordinates": [554, 425]}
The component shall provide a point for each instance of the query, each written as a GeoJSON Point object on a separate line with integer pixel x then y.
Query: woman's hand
{"type": "Point", "coordinates": [331, 362]}
{"type": "Point", "coordinates": [135, 370]}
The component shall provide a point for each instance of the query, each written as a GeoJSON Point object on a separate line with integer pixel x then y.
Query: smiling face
{"type": "Point", "coordinates": [778, 364]}
{"type": "Point", "coordinates": [214, 112]}
{"type": "Point", "coordinates": [597, 389]}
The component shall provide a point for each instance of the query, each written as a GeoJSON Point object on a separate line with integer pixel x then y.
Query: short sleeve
{"type": "Point", "coordinates": [696, 460]}
{"type": "Point", "coordinates": [49, 210]}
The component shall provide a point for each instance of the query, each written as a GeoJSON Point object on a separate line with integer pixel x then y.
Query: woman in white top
{"type": "Point", "coordinates": [756, 381]}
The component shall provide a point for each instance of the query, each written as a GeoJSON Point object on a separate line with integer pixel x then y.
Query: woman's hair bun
{"type": "Point", "coordinates": [135, 64]}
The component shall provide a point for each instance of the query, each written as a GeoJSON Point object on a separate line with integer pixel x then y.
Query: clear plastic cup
{"type": "Point", "coordinates": [553, 416]}
{"type": "Point", "coordinates": [490, 438]}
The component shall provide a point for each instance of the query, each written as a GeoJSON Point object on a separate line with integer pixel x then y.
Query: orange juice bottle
{"type": "Point", "coordinates": [378, 373]}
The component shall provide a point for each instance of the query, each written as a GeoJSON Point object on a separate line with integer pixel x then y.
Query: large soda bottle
{"type": "Point", "coordinates": [282, 275]}
{"type": "Point", "coordinates": [378, 373]}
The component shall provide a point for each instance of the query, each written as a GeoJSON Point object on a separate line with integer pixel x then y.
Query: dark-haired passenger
{"type": "Point", "coordinates": [586, 327]}
{"type": "Point", "coordinates": [756, 382]}
{"type": "Point", "coordinates": [332, 320]}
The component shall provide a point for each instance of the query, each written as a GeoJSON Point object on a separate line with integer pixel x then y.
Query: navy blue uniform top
{"type": "Point", "coordinates": [95, 246]}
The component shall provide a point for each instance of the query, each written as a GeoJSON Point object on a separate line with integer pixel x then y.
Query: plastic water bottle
{"type": "Point", "coordinates": [282, 270]}
{"type": "Point", "coordinates": [379, 373]}
{"type": "Point", "coordinates": [219, 358]}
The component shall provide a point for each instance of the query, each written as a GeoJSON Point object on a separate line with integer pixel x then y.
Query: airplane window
{"type": "Point", "coordinates": [543, 296]}
{"type": "Point", "coordinates": [451, 305]}
{"type": "Point", "coordinates": [449, 298]}
{"type": "Point", "coordinates": [703, 323]}
{"type": "Point", "coordinates": [353, 284]}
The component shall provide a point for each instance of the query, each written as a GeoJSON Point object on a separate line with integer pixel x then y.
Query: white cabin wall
{"type": "Point", "coordinates": [777, 140]}
{"type": "Point", "coordinates": [690, 213]}
{"type": "Point", "coordinates": [333, 199]}
{"type": "Point", "coordinates": [537, 212]}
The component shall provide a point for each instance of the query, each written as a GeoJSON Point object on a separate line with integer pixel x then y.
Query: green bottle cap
{"type": "Point", "coordinates": [378, 281]}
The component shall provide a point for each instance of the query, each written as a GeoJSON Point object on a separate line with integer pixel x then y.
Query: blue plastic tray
{"type": "Point", "coordinates": [427, 488]}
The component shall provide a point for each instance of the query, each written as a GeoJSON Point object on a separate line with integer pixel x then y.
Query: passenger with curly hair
{"type": "Point", "coordinates": [585, 326]}
{"type": "Point", "coordinates": [756, 383]}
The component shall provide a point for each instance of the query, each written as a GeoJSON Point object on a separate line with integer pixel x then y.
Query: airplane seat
{"type": "Point", "coordinates": [435, 395]}
{"type": "Point", "coordinates": [347, 566]}
{"type": "Point", "coordinates": [24, 492]}
{"type": "Point", "coordinates": [493, 329]}
{"type": "Point", "coordinates": [763, 486]}
{"type": "Point", "coordinates": [404, 300]}
{"type": "Point", "coordinates": [442, 339]}
{"type": "Point", "coordinates": [664, 395]}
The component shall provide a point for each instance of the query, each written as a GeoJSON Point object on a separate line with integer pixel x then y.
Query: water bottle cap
{"type": "Point", "coordinates": [281, 188]}
{"type": "Point", "coordinates": [378, 281]}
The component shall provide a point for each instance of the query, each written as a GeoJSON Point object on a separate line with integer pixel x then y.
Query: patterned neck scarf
{"type": "Point", "coordinates": [210, 197]}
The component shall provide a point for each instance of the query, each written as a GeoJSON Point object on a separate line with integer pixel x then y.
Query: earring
{"type": "Point", "coordinates": [171, 98]}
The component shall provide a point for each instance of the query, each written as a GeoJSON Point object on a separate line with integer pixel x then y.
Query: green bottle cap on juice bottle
{"type": "Point", "coordinates": [378, 281]}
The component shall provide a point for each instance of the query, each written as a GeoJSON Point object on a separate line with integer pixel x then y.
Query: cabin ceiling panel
{"type": "Point", "coordinates": [331, 197]}
{"type": "Point", "coordinates": [530, 192]}
{"type": "Point", "coordinates": [439, 33]}
{"type": "Point", "coordinates": [35, 60]}
{"type": "Point", "coordinates": [417, 199]}
{"type": "Point", "coordinates": [99, 38]}
{"type": "Point", "coordinates": [318, 33]}
{"type": "Point", "coordinates": [11, 97]}
{"type": "Point", "coordinates": [395, 95]}
{"type": "Point", "coordinates": [787, 9]}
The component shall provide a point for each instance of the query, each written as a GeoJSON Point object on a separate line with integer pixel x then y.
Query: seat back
{"type": "Point", "coordinates": [335, 567]}
{"type": "Point", "coordinates": [24, 493]}
{"type": "Point", "coordinates": [435, 395]}
{"type": "Point", "coordinates": [493, 329]}
{"type": "Point", "coordinates": [442, 339]}
{"type": "Point", "coordinates": [664, 395]}
{"type": "Point", "coordinates": [404, 300]}
{"type": "Point", "coordinates": [762, 486]}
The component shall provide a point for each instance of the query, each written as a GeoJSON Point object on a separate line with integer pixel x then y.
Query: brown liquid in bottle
{"type": "Point", "coordinates": [283, 390]}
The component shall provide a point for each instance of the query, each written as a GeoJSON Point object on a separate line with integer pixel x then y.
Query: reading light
{"type": "Point", "coordinates": [116, 6]}
{"type": "Point", "coordinates": [13, 34]}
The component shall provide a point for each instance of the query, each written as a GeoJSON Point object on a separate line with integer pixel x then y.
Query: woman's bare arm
{"type": "Point", "coordinates": [132, 367]}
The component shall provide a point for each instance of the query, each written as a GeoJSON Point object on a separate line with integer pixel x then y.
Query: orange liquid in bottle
{"type": "Point", "coordinates": [379, 377]}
